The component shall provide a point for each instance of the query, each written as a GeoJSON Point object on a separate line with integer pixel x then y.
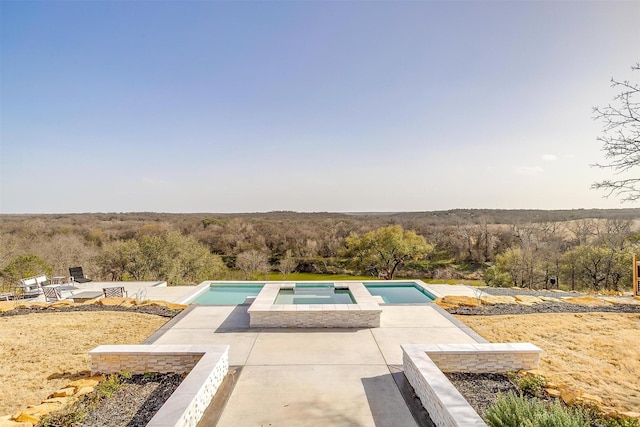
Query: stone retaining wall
{"type": "Point", "coordinates": [207, 366]}
{"type": "Point", "coordinates": [484, 357]}
{"type": "Point", "coordinates": [139, 359]}
{"type": "Point", "coordinates": [424, 365]}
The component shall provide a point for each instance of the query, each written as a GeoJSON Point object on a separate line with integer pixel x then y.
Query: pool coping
{"type": "Point", "coordinates": [204, 286]}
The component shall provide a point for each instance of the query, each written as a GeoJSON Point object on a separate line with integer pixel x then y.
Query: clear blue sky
{"type": "Point", "coordinates": [206, 106]}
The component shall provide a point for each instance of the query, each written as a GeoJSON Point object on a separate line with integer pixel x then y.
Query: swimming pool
{"type": "Point", "coordinates": [228, 294]}
{"type": "Point", "coordinates": [233, 293]}
{"type": "Point", "coordinates": [400, 293]}
{"type": "Point", "coordinates": [309, 294]}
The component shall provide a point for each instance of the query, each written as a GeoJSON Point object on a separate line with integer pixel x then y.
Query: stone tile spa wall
{"type": "Point", "coordinates": [264, 313]}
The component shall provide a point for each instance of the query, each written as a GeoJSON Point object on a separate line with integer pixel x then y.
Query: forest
{"type": "Point", "coordinates": [574, 249]}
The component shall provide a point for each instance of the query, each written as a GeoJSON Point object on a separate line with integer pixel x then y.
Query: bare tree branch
{"type": "Point", "coordinates": [621, 140]}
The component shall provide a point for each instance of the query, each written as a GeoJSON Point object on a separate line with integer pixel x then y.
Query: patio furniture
{"type": "Point", "coordinates": [58, 280]}
{"type": "Point", "coordinates": [52, 294]}
{"type": "Point", "coordinates": [117, 292]}
{"type": "Point", "coordinates": [28, 288]}
{"type": "Point", "coordinates": [77, 275]}
{"type": "Point", "coordinates": [85, 296]}
{"type": "Point", "coordinates": [42, 280]}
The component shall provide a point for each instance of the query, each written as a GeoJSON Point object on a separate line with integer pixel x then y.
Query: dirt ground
{"type": "Point", "coordinates": [596, 352]}
{"type": "Point", "coordinates": [42, 352]}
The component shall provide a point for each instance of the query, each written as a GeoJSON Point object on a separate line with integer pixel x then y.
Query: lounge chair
{"type": "Point", "coordinates": [77, 275]}
{"type": "Point", "coordinates": [42, 280]}
{"type": "Point", "coordinates": [28, 288]}
{"type": "Point", "coordinates": [115, 292]}
{"type": "Point", "coordinates": [52, 294]}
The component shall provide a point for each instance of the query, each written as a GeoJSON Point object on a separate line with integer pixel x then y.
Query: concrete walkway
{"type": "Point", "coordinates": [314, 377]}
{"type": "Point", "coordinates": [141, 290]}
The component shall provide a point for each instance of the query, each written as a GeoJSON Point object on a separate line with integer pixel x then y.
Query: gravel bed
{"type": "Point", "coordinates": [149, 309]}
{"type": "Point", "coordinates": [546, 307]}
{"type": "Point", "coordinates": [536, 293]}
{"type": "Point", "coordinates": [481, 390]}
{"type": "Point", "coordinates": [140, 397]}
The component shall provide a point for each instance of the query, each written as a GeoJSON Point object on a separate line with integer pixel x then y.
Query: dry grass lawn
{"type": "Point", "coordinates": [596, 352]}
{"type": "Point", "coordinates": [42, 352]}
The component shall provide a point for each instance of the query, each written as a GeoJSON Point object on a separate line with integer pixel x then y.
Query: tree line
{"type": "Point", "coordinates": [580, 249]}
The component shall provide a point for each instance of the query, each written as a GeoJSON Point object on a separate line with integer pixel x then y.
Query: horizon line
{"type": "Point", "coordinates": [323, 212]}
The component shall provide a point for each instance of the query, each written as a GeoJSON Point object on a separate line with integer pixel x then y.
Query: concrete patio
{"type": "Point", "coordinates": [149, 290]}
{"type": "Point", "coordinates": [310, 376]}
{"type": "Point", "coordinates": [315, 377]}
{"type": "Point", "coordinates": [158, 290]}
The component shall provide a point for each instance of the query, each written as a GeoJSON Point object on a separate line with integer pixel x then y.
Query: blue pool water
{"type": "Point", "coordinates": [400, 293]}
{"type": "Point", "coordinates": [314, 295]}
{"type": "Point", "coordinates": [230, 294]}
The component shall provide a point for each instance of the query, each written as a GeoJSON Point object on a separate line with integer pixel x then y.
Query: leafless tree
{"type": "Point", "coordinates": [621, 140]}
{"type": "Point", "coordinates": [582, 230]}
{"type": "Point", "coordinates": [287, 264]}
{"type": "Point", "coordinates": [252, 263]}
{"type": "Point", "coordinates": [614, 232]}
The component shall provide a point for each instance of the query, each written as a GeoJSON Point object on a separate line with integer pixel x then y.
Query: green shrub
{"type": "Point", "coordinates": [616, 420]}
{"type": "Point", "coordinates": [496, 278]}
{"type": "Point", "coordinates": [24, 266]}
{"type": "Point", "coordinates": [109, 386]}
{"type": "Point", "coordinates": [619, 421]}
{"type": "Point", "coordinates": [529, 383]}
{"type": "Point", "coordinates": [512, 410]}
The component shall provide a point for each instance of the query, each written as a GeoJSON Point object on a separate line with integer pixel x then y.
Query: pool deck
{"type": "Point", "coordinates": [315, 377]}
{"type": "Point", "coordinates": [179, 294]}
{"type": "Point", "coordinates": [151, 290]}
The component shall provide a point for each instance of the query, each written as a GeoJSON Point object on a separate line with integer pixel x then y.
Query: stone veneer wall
{"type": "Point", "coordinates": [207, 366]}
{"type": "Point", "coordinates": [140, 362]}
{"type": "Point", "coordinates": [264, 313]}
{"type": "Point", "coordinates": [423, 366]}
{"type": "Point", "coordinates": [342, 317]}
{"type": "Point", "coordinates": [484, 357]}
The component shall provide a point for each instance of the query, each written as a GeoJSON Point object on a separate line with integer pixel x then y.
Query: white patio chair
{"type": "Point", "coordinates": [118, 292]}
{"type": "Point", "coordinates": [52, 294]}
{"type": "Point", "coordinates": [29, 287]}
{"type": "Point", "coordinates": [42, 280]}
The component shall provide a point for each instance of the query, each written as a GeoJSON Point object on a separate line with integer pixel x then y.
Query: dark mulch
{"type": "Point", "coordinates": [140, 397]}
{"type": "Point", "coordinates": [150, 309]}
{"type": "Point", "coordinates": [481, 390]}
{"type": "Point", "coordinates": [546, 307]}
